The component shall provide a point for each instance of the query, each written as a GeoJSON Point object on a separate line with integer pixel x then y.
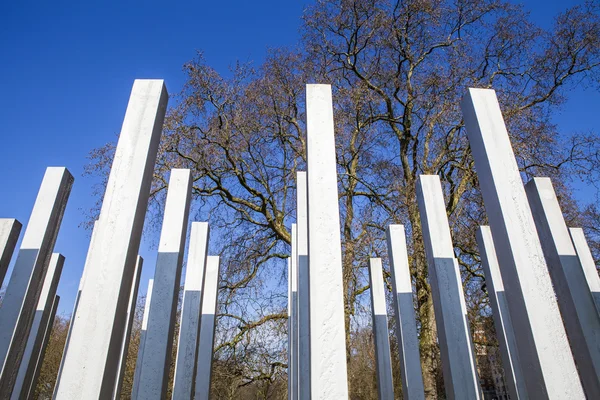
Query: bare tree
{"type": "Point", "coordinates": [410, 62]}
{"type": "Point", "coordinates": [398, 70]}
{"type": "Point", "coordinates": [52, 357]}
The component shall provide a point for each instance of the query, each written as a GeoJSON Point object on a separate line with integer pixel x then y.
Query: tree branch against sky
{"type": "Point", "coordinates": [398, 71]}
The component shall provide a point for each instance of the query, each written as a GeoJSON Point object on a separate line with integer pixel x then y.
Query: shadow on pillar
{"type": "Point", "coordinates": [458, 361]}
{"type": "Point", "coordinates": [205, 358]}
{"type": "Point", "coordinates": [154, 375]}
{"type": "Point", "coordinates": [186, 382]}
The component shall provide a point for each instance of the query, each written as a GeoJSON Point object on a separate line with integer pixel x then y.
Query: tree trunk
{"type": "Point", "coordinates": [427, 341]}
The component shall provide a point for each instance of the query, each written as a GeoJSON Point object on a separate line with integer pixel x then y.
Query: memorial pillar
{"type": "Point", "coordinates": [127, 335]}
{"type": "Point", "coordinates": [25, 286]}
{"type": "Point", "coordinates": [189, 327]}
{"type": "Point", "coordinates": [73, 313]}
{"type": "Point", "coordinates": [35, 341]}
{"type": "Point", "coordinates": [573, 294]}
{"type": "Point", "coordinates": [406, 323]}
{"type": "Point", "coordinates": [383, 356]}
{"type": "Point", "coordinates": [97, 334]}
{"type": "Point", "coordinates": [587, 263]}
{"type": "Point", "coordinates": [40, 360]}
{"type": "Point", "coordinates": [140, 355]}
{"type": "Point", "coordinates": [293, 318]}
{"type": "Point", "coordinates": [9, 235]}
{"type": "Point", "coordinates": [303, 289]}
{"type": "Point", "coordinates": [456, 350]}
{"type": "Point", "coordinates": [207, 329]}
{"type": "Point", "coordinates": [329, 376]}
{"type": "Point", "coordinates": [546, 360]}
{"type": "Point", "coordinates": [502, 322]}
{"type": "Point", "coordinates": [167, 277]}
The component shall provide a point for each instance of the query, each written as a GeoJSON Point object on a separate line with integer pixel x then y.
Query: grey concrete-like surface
{"type": "Point", "coordinates": [303, 288]}
{"type": "Point", "coordinates": [42, 352]}
{"type": "Point", "coordinates": [10, 229]}
{"type": "Point", "coordinates": [406, 324]}
{"type": "Point", "coordinates": [328, 374]}
{"type": "Point", "coordinates": [25, 286]}
{"type": "Point", "coordinates": [96, 338]}
{"type": "Point", "coordinates": [575, 299]}
{"type": "Point", "coordinates": [383, 355]}
{"type": "Point", "coordinates": [140, 355]}
{"type": "Point", "coordinates": [502, 322]}
{"type": "Point", "coordinates": [37, 332]}
{"type": "Point", "coordinates": [73, 313]}
{"type": "Point", "coordinates": [127, 335]}
{"type": "Point", "coordinates": [207, 329]}
{"type": "Point", "coordinates": [546, 360]}
{"type": "Point", "coordinates": [189, 326]}
{"type": "Point", "coordinates": [456, 350]}
{"type": "Point", "coordinates": [587, 263]}
{"type": "Point", "coordinates": [293, 318]}
{"type": "Point", "coordinates": [156, 364]}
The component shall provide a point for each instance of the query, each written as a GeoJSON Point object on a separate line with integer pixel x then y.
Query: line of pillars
{"type": "Point", "coordinates": [539, 274]}
{"type": "Point", "coordinates": [523, 272]}
{"type": "Point", "coordinates": [97, 343]}
{"type": "Point", "coordinates": [30, 290]}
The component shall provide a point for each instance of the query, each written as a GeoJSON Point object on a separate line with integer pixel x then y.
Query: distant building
{"type": "Point", "coordinates": [489, 364]}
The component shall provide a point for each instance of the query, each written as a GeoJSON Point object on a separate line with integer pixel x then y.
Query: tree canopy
{"type": "Point", "coordinates": [398, 70]}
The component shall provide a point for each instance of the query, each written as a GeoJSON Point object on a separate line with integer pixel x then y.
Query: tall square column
{"type": "Point", "coordinates": [546, 360]}
{"type": "Point", "coordinates": [587, 263]}
{"type": "Point", "coordinates": [207, 329]}
{"type": "Point", "coordinates": [456, 349]}
{"type": "Point", "coordinates": [293, 318]}
{"type": "Point", "coordinates": [10, 229]}
{"type": "Point", "coordinates": [140, 354]}
{"type": "Point", "coordinates": [42, 353]}
{"type": "Point", "coordinates": [303, 287]}
{"type": "Point", "coordinates": [73, 313]}
{"type": "Point", "coordinates": [127, 335]}
{"type": "Point", "coordinates": [96, 338]}
{"type": "Point", "coordinates": [573, 294]}
{"type": "Point", "coordinates": [383, 355]}
{"type": "Point", "coordinates": [329, 375]}
{"type": "Point", "coordinates": [501, 314]}
{"type": "Point", "coordinates": [156, 364]}
{"type": "Point", "coordinates": [25, 285]}
{"type": "Point", "coordinates": [37, 333]}
{"type": "Point", "coordinates": [191, 309]}
{"type": "Point", "coordinates": [406, 324]}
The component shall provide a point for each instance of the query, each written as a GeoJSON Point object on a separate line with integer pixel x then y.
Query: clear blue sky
{"type": "Point", "coordinates": [67, 68]}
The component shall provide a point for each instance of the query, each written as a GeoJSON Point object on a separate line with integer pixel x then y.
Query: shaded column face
{"type": "Point", "coordinates": [406, 328]}
{"type": "Point", "coordinates": [89, 372]}
{"type": "Point", "coordinates": [35, 340]}
{"type": "Point", "coordinates": [293, 318]}
{"type": "Point", "coordinates": [547, 363]}
{"type": "Point", "coordinates": [456, 348]}
{"type": "Point", "coordinates": [140, 355]}
{"type": "Point", "coordinates": [501, 314]}
{"type": "Point", "coordinates": [25, 285]}
{"type": "Point", "coordinates": [42, 353]}
{"type": "Point", "coordinates": [9, 235]}
{"type": "Point", "coordinates": [587, 263]}
{"type": "Point", "coordinates": [329, 377]}
{"type": "Point", "coordinates": [385, 385]}
{"type": "Point", "coordinates": [126, 336]}
{"type": "Point", "coordinates": [189, 328]}
{"type": "Point", "coordinates": [167, 275]}
{"type": "Point", "coordinates": [303, 288]}
{"type": "Point", "coordinates": [575, 300]}
{"type": "Point", "coordinates": [207, 329]}
{"type": "Point", "coordinates": [73, 315]}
